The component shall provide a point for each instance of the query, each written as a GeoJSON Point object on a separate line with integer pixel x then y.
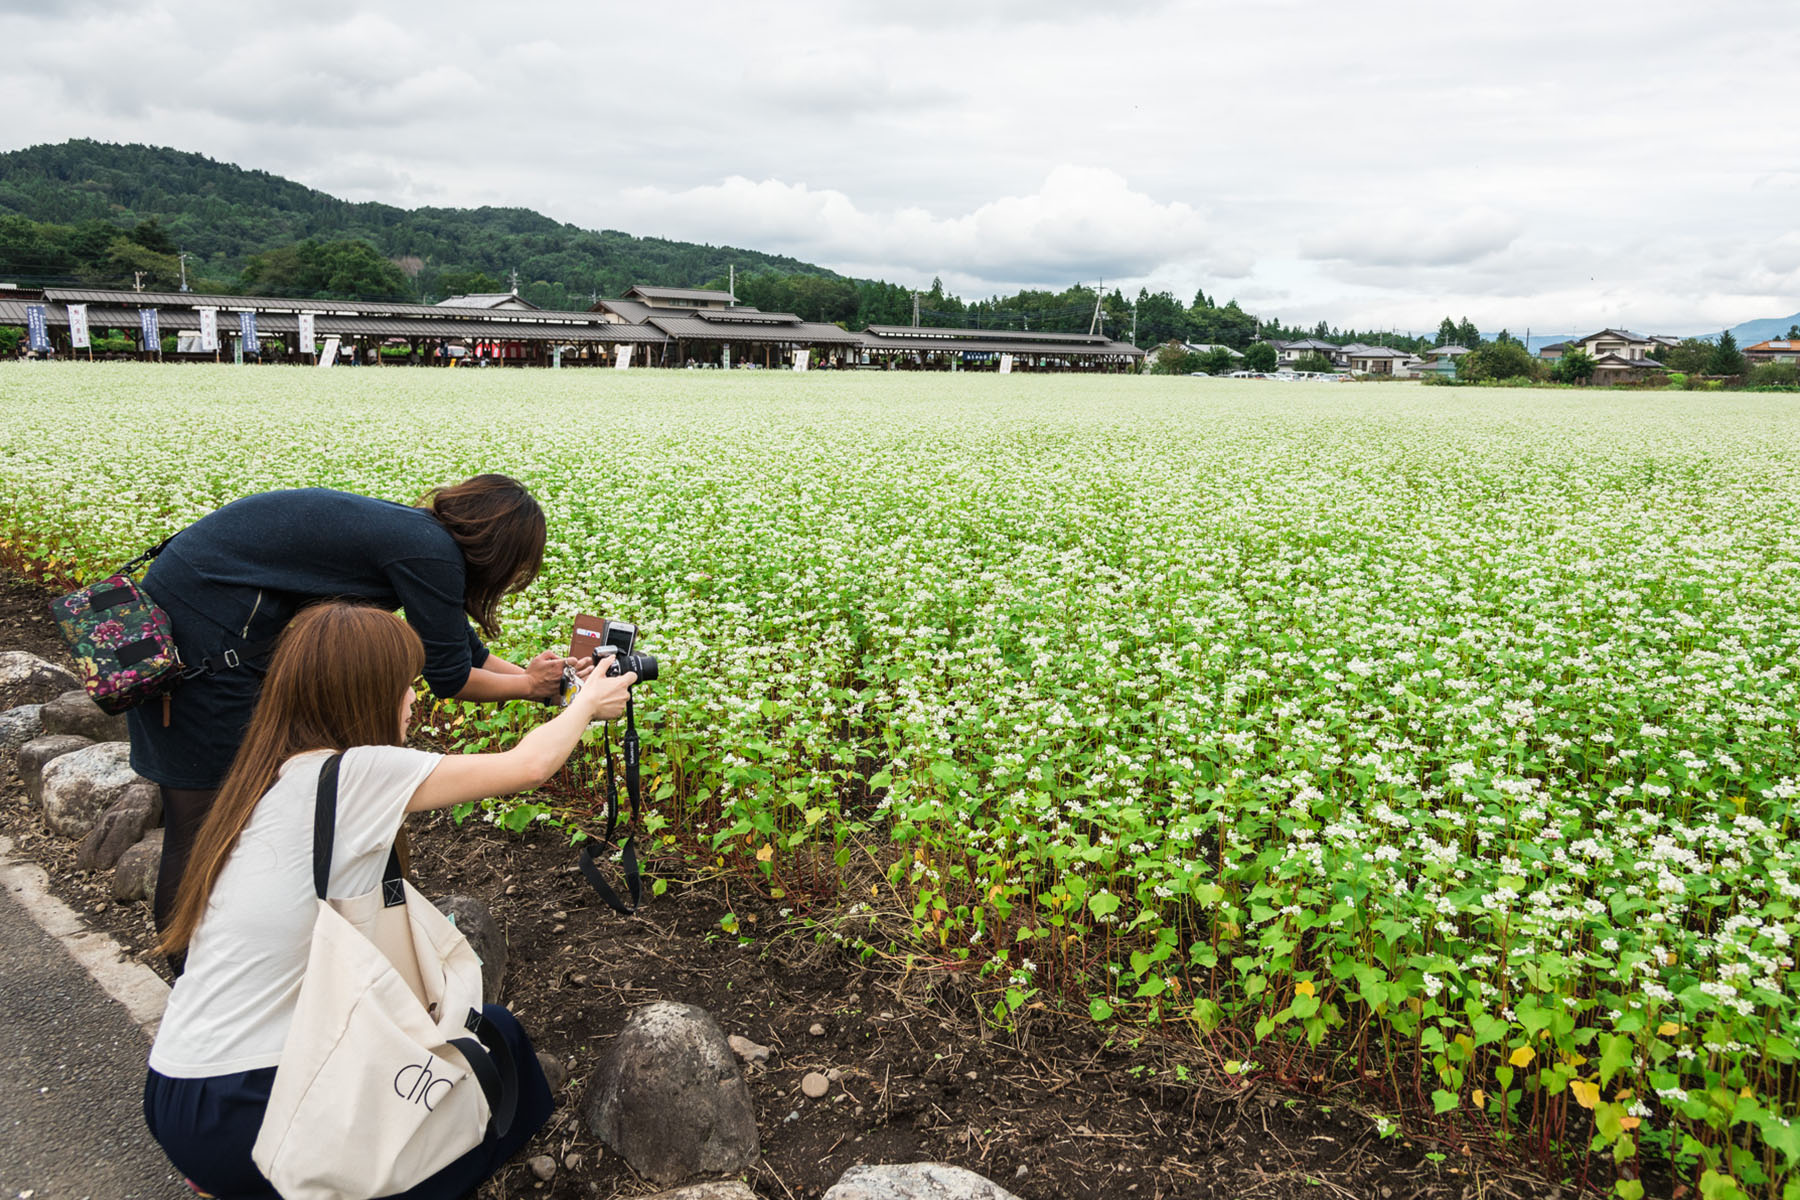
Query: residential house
{"type": "Point", "coordinates": [1553, 351]}
{"type": "Point", "coordinates": [490, 300]}
{"type": "Point", "coordinates": [1631, 347]}
{"type": "Point", "coordinates": [1287, 353]}
{"type": "Point", "coordinates": [1774, 350]}
{"type": "Point", "coordinates": [1380, 360]}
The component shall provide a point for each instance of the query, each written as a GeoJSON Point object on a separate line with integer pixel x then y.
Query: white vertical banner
{"type": "Point", "coordinates": [307, 344]}
{"type": "Point", "coordinates": [726, 361]}
{"type": "Point", "coordinates": [330, 355]}
{"type": "Point", "coordinates": [209, 329]}
{"type": "Point", "coordinates": [623, 358]}
{"type": "Point", "coordinates": [1006, 364]}
{"type": "Point", "coordinates": [78, 327]}
{"type": "Point", "coordinates": [802, 359]}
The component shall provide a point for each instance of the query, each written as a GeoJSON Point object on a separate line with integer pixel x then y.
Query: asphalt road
{"type": "Point", "coordinates": [71, 1080]}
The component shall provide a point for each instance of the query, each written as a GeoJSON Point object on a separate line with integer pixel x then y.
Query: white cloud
{"type": "Point", "coordinates": [1081, 223]}
{"type": "Point", "coordinates": [1411, 238]}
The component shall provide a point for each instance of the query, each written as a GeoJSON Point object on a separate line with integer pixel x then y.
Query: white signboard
{"type": "Point", "coordinates": [624, 356]}
{"type": "Point", "coordinates": [801, 359]}
{"type": "Point", "coordinates": [307, 344]}
{"type": "Point", "coordinates": [1006, 364]}
{"type": "Point", "coordinates": [331, 352]}
{"type": "Point", "coordinates": [78, 327]}
{"type": "Point", "coordinates": [209, 329]}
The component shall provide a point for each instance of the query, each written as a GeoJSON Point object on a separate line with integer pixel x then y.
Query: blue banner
{"type": "Point", "coordinates": [147, 321]}
{"type": "Point", "coordinates": [35, 329]}
{"type": "Point", "coordinates": [247, 327]}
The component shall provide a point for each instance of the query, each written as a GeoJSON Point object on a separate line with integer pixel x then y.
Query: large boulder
{"type": "Point", "coordinates": [39, 753]}
{"type": "Point", "coordinates": [120, 827]}
{"type": "Point", "coordinates": [670, 1099]}
{"type": "Point", "coordinates": [915, 1181]}
{"type": "Point", "coordinates": [27, 679]}
{"type": "Point", "coordinates": [79, 787]}
{"type": "Point", "coordinates": [135, 876]}
{"type": "Point", "coordinates": [476, 923]}
{"type": "Point", "coordinates": [20, 725]}
{"type": "Point", "coordinates": [75, 712]}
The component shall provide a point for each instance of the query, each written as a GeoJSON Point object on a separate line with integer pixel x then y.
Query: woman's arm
{"type": "Point", "coordinates": [539, 754]}
{"type": "Point", "coordinates": [497, 679]}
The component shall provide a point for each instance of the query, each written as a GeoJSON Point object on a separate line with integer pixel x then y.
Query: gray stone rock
{"type": "Point", "coordinates": [78, 787]}
{"type": "Point", "coordinates": [724, 1189]}
{"type": "Point", "coordinates": [477, 924]}
{"type": "Point", "coordinates": [120, 827]}
{"type": "Point", "coordinates": [39, 753]}
{"type": "Point", "coordinates": [20, 725]}
{"type": "Point", "coordinates": [669, 1097]}
{"type": "Point", "coordinates": [27, 679]}
{"type": "Point", "coordinates": [74, 712]}
{"type": "Point", "coordinates": [542, 1166]}
{"type": "Point", "coordinates": [915, 1181]}
{"type": "Point", "coordinates": [135, 876]}
{"type": "Point", "coordinates": [555, 1074]}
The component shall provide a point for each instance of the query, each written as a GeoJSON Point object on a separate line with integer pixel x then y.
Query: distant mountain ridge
{"type": "Point", "coordinates": [222, 214]}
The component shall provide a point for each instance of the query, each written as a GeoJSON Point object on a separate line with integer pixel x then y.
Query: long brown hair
{"type": "Point", "coordinates": [336, 680]}
{"type": "Point", "coordinates": [500, 529]}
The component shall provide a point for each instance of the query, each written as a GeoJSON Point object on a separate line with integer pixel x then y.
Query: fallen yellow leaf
{"type": "Point", "coordinates": [1479, 1097]}
{"type": "Point", "coordinates": [766, 853]}
{"type": "Point", "coordinates": [1304, 987]}
{"type": "Point", "coordinates": [1522, 1056]}
{"type": "Point", "coordinates": [1668, 1029]}
{"type": "Point", "coordinates": [1586, 1094]}
{"type": "Point", "coordinates": [1630, 1122]}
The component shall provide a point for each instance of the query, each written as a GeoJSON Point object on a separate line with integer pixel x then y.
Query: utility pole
{"type": "Point", "coordinates": [915, 309]}
{"type": "Point", "coordinates": [733, 289]}
{"type": "Point", "coordinates": [1134, 324]}
{"type": "Point", "coordinates": [137, 281]}
{"type": "Point", "coordinates": [1095, 322]}
{"type": "Point", "coordinates": [183, 257]}
{"type": "Point", "coordinates": [515, 281]}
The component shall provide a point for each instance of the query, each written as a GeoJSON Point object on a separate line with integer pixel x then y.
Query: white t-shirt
{"type": "Point", "coordinates": [231, 1009]}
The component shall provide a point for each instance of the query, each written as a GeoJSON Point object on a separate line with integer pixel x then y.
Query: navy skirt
{"type": "Point", "coordinates": [207, 1126]}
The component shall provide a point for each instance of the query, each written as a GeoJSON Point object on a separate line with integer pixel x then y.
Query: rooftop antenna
{"type": "Point", "coordinates": [183, 257]}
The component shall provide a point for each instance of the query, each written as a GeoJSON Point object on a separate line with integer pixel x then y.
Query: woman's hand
{"type": "Point", "coordinates": [603, 696]}
{"type": "Point", "coordinates": [545, 675]}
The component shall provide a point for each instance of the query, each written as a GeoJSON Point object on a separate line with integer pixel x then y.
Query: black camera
{"type": "Point", "coordinates": [621, 637]}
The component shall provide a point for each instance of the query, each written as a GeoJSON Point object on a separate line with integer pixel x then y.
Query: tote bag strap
{"type": "Point", "coordinates": [393, 891]}
{"type": "Point", "coordinates": [492, 1062]}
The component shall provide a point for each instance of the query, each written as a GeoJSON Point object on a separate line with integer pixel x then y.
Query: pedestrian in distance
{"type": "Point", "coordinates": [232, 581]}
{"type": "Point", "coordinates": [340, 682]}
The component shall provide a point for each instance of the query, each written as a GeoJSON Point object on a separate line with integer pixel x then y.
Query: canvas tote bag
{"type": "Point", "coordinates": [390, 1072]}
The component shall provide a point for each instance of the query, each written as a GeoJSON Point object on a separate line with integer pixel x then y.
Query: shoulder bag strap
{"type": "Point", "coordinates": [325, 824]}
{"type": "Point", "coordinates": [146, 556]}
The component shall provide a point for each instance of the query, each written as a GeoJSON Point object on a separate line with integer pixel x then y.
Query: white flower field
{"type": "Point", "coordinates": [1440, 738]}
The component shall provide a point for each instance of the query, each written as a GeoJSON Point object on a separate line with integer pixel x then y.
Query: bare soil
{"type": "Point", "coordinates": [1060, 1110]}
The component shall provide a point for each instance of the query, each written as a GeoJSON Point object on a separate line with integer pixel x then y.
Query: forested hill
{"type": "Point", "coordinates": [224, 215]}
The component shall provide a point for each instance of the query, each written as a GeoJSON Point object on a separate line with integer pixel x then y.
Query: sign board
{"type": "Point", "coordinates": [726, 361]}
{"type": "Point", "coordinates": [801, 359]}
{"type": "Point", "coordinates": [78, 327]}
{"type": "Point", "coordinates": [331, 352]}
{"type": "Point", "coordinates": [1006, 364]}
{"type": "Point", "coordinates": [149, 325]}
{"type": "Point", "coordinates": [35, 328]}
{"type": "Point", "coordinates": [247, 335]}
{"type": "Point", "coordinates": [624, 356]}
{"type": "Point", "coordinates": [209, 329]}
{"type": "Point", "coordinates": [307, 345]}
{"type": "Point", "coordinates": [556, 358]}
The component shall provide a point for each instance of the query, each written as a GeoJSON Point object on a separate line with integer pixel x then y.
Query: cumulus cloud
{"type": "Point", "coordinates": [1082, 222]}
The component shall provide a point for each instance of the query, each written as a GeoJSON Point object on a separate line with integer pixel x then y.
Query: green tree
{"type": "Point", "coordinates": [11, 336]}
{"type": "Point", "coordinates": [1775, 374]}
{"type": "Point", "coordinates": [1446, 332]}
{"type": "Point", "coordinates": [1793, 333]}
{"type": "Point", "coordinates": [1726, 358]}
{"type": "Point", "coordinates": [1688, 356]}
{"type": "Point", "coordinates": [1497, 360]}
{"type": "Point", "coordinates": [1218, 361]}
{"type": "Point", "coordinates": [1504, 337]}
{"type": "Point", "coordinates": [1468, 335]}
{"type": "Point", "coordinates": [1260, 357]}
{"type": "Point", "coordinates": [1160, 318]}
{"type": "Point", "coordinates": [1173, 358]}
{"type": "Point", "coordinates": [1313, 361]}
{"type": "Point", "coordinates": [467, 283]}
{"type": "Point", "coordinates": [1575, 366]}
{"type": "Point", "coordinates": [347, 270]}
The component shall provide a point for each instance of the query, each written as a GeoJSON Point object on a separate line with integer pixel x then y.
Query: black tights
{"type": "Point", "coordinates": [184, 811]}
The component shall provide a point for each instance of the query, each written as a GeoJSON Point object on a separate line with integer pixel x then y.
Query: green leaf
{"type": "Point", "coordinates": [1099, 1009]}
{"type": "Point", "coordinates": [1616, 1054]}
{"type": "Point", "coordinates": [1443, 1102]}
{"type": "Point", "coordinates": [1103, 904]}
{"type": "Point", "coordinates": [1628, 1189]}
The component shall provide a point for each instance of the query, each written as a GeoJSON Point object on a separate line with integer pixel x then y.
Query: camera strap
{"type": "Point", "coordinates": [590, 869]}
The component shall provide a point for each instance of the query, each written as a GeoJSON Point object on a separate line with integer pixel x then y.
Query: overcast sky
{"type": "Point", "coordinates": [1562, 166]}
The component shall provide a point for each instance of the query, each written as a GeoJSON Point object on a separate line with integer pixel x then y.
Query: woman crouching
{"type": "Point", "coordinates": [340, 681]}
